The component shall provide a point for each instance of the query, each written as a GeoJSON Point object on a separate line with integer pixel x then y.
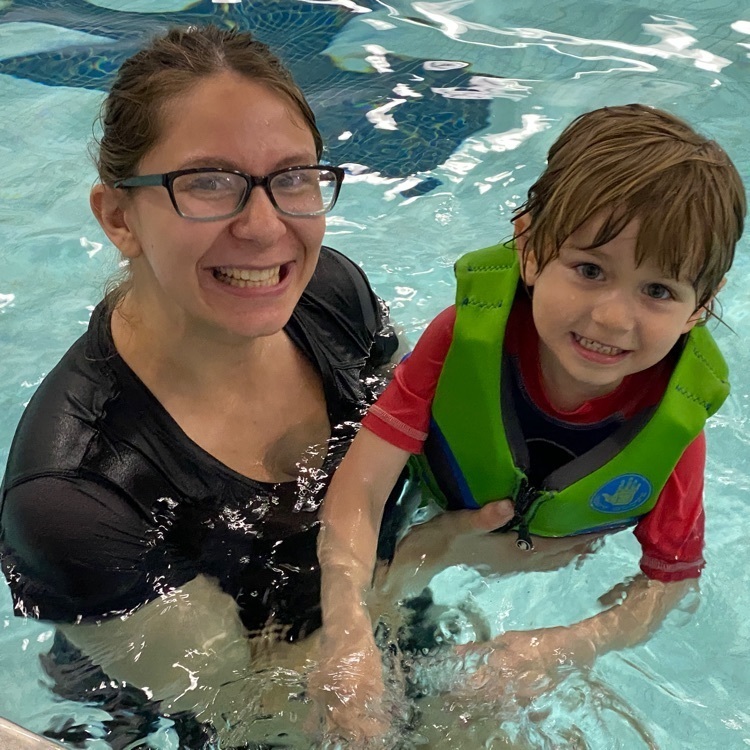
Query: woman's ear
{"type": "Point", "coordinates": [526, 258]}
{"type": "Point", "coordinates": [108, 206]}
{"type": "Point", "coordinates": [703, 312]}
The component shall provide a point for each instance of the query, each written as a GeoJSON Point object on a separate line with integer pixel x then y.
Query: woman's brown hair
{"type": "Point", "coordinates": [131, 115]}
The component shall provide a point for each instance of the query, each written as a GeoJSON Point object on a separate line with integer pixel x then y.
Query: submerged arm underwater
{"type": "Point", "coordinates": [179, 649]}
{"type": "Point", "coordinates": [522, 664]}
{"type": "Point", "coordinates": [190, 651]}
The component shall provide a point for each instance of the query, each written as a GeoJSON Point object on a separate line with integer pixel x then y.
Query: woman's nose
{"type": "Point", "coordinates": [259, 220]}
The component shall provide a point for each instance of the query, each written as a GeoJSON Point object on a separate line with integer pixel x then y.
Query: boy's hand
{"type": "Point", "coordinates": [347, 685]}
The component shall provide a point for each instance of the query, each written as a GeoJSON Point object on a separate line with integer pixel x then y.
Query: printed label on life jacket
{"type": "Point", "coordinates": [621, 494]}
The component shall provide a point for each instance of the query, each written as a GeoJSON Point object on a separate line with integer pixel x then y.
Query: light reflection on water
{"type": "Point", "coordinates": [688, 686]}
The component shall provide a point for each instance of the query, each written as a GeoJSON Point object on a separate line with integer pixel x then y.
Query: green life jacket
{"type": "Point", "coordinates": [475, 452]}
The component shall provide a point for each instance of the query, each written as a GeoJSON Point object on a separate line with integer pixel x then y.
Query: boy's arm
{"type": "Point", "coordinates": [348, 680]}
{"type": "Point", "coordinates": [671, 538]}
{"type": "Point", "coordinates": [351, 516]}
{"type": "Point", "coordinates": [645, 603]}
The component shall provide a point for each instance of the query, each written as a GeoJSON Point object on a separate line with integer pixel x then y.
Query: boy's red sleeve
{"type": "Point", "coordinates": [401, 416]}
{"type": "Point", "coordinates": [671, 535]}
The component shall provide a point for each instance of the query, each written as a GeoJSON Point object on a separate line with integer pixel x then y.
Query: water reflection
{"type": "Point", "coordinates": [582, 709]}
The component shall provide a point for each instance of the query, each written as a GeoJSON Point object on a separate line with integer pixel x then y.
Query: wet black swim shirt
{"type": "Point", "coordinates": [106, 503]}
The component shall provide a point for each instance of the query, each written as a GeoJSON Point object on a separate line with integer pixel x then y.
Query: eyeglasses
{"type": "Point", "coordinates": [210, 193]}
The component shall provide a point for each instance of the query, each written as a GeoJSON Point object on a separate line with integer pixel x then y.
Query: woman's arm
{"type": "Point", "coordinates": [189, 650]}
{"type": "Point", "coordinates": [181, 648]}
{"type": "Point", "coordinates": [76, 552]}
{"type": "Point", "coordinates": [526, 663]}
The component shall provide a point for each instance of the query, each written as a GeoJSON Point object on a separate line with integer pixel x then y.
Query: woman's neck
{"type": "Point", "coordinates": [162, 348]}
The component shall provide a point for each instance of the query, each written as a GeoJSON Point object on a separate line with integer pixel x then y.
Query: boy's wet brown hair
{"type": "Point", "coordinates": [636, 162]}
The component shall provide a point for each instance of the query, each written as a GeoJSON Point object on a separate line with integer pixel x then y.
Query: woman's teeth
{"type": "Point", "coordinates": [245, 277]}
{"type": "Point", "coordinates": [595, 346]}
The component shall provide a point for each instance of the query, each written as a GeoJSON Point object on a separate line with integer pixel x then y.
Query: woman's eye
{"type": "Point", "coordinates": [658, 291]}
{"type": "Point", "coordinates": [292, 181]}
{"type": "Point", "coordinates": [589, 271]}
{"type": "Point", "coordinates": [204, 183]}
{"type": "Point", "coordinates": [287, 182]}
{"type": "Point", "coordinates": [209, 183]}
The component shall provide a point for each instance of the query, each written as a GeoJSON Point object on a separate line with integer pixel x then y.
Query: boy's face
{"type": "Point", "coordinates": [600, 317]}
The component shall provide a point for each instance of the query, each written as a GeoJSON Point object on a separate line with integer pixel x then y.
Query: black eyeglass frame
{"type": "Point", "coordinates": [166, 180]}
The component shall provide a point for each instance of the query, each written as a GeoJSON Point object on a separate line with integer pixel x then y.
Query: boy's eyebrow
{"type": "Point", "coordinates": [583, 248]}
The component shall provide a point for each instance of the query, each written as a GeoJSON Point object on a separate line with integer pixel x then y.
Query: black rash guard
{"type": "Point", "coordinates": [106, 503]}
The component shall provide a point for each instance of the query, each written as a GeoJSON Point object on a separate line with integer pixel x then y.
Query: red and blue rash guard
{"type": "Point", "coordinates": [671, 535]}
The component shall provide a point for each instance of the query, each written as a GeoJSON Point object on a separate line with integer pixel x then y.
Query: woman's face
{"type": "Point", "coordinates": [190, 269]}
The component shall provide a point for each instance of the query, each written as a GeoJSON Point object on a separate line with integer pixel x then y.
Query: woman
{"type": "Point", "coordinates": [172, 464]}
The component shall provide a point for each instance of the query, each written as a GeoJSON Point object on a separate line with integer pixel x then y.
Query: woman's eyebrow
{"type": "Point", "coordinates": [300, 159]}
{"type": "Point", "coordinates": [297, 160]}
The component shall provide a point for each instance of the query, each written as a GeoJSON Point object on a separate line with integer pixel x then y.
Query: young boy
{"type": "Point", "coordinates": [571, 382]}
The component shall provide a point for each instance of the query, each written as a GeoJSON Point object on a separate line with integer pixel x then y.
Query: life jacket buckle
{"type": "Point", "coordinates": [524, 541]}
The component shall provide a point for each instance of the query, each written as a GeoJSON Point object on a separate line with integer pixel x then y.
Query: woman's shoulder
{"type": "Point", "coordinates": [342, 313]}
{"type": "Point", "coordinates": [345, 330]}
{"type": "Point", "coordinates": [56, 425]}
{"type": "Point", "coordinates": [341, 286]}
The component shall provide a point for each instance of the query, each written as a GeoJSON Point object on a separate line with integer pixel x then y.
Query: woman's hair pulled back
{"type": "Point", "coordinates": [168, 67]}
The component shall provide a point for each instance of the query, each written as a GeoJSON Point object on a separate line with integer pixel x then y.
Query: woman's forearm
{"type": "Point", "coordinates": [646, 604]}
{"type": "Point", "coordinates": [181, 648]}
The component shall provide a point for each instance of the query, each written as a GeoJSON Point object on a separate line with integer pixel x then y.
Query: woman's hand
{"type": "Point", "coordinates": [527, 663]}
{"type": "Point", "coordinates": [437, 544]}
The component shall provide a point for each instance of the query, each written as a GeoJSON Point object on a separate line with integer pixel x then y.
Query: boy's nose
{"type": "Point", "coordinates": [614, 312]}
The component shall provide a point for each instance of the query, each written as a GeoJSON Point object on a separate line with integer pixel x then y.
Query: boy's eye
{"type": "Point", "coordinates": [589, 271]}
{"type": "Point", "coordinates": [658, 291]}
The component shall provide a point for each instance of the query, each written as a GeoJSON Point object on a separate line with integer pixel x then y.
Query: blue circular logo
{"type": "Point", "coordinates": [621, 494]}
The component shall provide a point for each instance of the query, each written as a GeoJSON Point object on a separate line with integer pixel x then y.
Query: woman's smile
{"type": "Point", "coordinates": [251, 282]}
{"type": "Point", "coordinates": [248, 277]}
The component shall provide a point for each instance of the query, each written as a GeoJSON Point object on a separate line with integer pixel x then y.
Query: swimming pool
{"type": "Point", "coordinates": [498, 85]}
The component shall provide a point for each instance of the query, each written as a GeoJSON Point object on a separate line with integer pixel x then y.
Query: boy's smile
{"type": "Point", "coordinates": [600, 317]}
{"type": "Point", "coordinates": [597, 351]}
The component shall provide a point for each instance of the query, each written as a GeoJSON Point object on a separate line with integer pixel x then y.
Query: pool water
{"type": "Point", "coordinates": [443, 112]}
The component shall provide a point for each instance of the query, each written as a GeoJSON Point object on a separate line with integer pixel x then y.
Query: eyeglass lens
{"type": "Point", "coordinates": [302, 192]}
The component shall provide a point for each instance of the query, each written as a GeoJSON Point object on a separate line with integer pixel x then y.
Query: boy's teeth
{"type": "Point", "coordinates": [595, 346]}
{"type": "Point", "coordinates": [244, 277]}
